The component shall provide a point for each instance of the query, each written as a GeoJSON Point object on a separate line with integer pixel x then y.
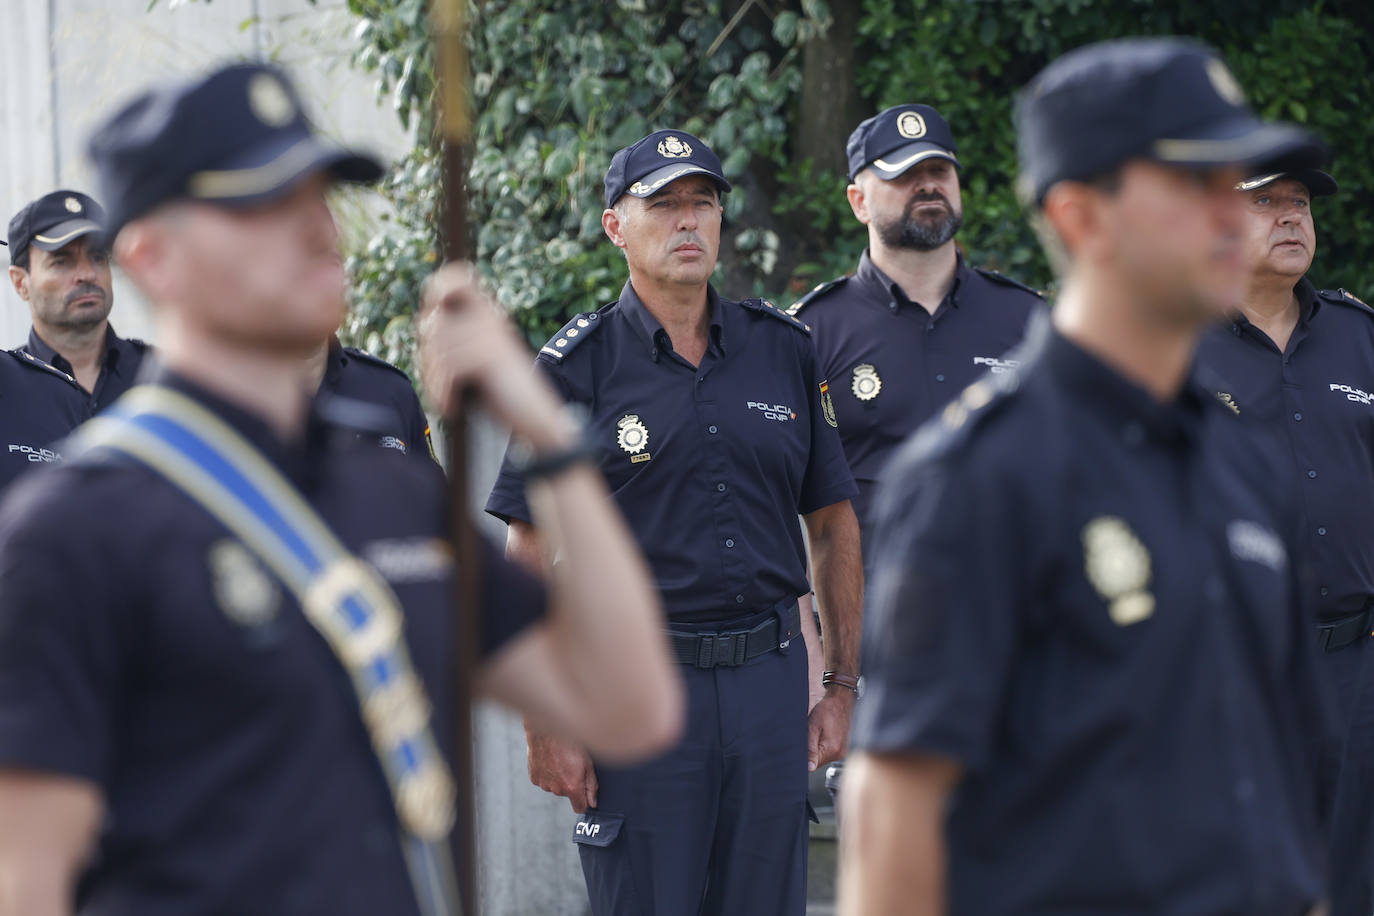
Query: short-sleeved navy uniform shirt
{"type": "Point", "coordinates": [1318, 396]}
{"type": "Point", "coordinates": [710, 465]}
{"type": "Point", "coordinates": [892, 365]}
{"type": "Point", "coordinates": [1086, 598]}
{"type": "Point", "coordinates": [118, 370]}
{"type": "Point", "coordinates": [400, 422]}
{"type": "Point", "coordinates": [143, 649]}
{"type": "Point", "coordinates": [39, 405]}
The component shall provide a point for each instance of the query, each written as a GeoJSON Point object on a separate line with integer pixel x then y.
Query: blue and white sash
{"type": "Point", "coordinates": [343, 598]}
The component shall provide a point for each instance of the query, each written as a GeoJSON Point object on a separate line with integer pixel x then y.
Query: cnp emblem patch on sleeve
{"type": "Point", "coordinates": [1118, 566]}
{"type": "Point", "coordinates": [828, 405]}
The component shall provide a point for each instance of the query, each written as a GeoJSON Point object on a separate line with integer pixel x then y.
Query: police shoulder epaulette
{"type": "Point", "coordinates": [764, 307]}
{"type": "Point", "coordinates": [366, 357]}
{"type": "Point", "coordinates": [28, 359]}
{"type": "Point", "coordinates": [1003, 279]}
{"type": "Point", "coordinates": [138, 343]}
{"type": "Point", "coordinates": [817, 292]}
{"type": "Point", "coordinates": [1344, 298]}
{"type": "Point", "coordinates": [578, 329]}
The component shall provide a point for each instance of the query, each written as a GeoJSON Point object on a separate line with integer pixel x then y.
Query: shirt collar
{"type": "Point", "coordinates": [39, 348]}
{"type": "Point", "coordinates": [1120, 402]}
{"type": "Point", "coordinates": [649, 329]}
{"type": "Point", "coordinates": [891, 293]}
{"type": "Point", "coordinates": [334, 361]}
{"type": "Point", "coordinates": [1308, 304]}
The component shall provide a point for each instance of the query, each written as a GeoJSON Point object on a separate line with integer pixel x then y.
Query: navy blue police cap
{"type": "Point", "coordinates": [897, 138]}
{"type": "Point", "coordinates": [647, 165]}
{"type": "Point", "coordinates": [1319, 184]}
{"type": "Point", "coordinates": [53, 221]}
{"type": "Point", "coordinates": [236, 137]}
{"type": "Point", "coordinates": [1169, 100]}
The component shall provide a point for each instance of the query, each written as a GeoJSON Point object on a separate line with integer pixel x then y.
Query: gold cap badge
{"type": "Point", "coordinates": [674, 148]}
{"type": "Point", "coordinates": [911, 125]}
{"type": "Point", "coordinates": [72, 204]}
{"type": "Point", "coordinates": [1224, 82]}
{"type": "Point", "coordinates": [269, 102]}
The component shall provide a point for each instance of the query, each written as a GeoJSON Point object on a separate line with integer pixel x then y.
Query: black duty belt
{"type": "Point", "coordinates": [1340, 632]}
{"type": "Point", "coordinates": [729, 648]}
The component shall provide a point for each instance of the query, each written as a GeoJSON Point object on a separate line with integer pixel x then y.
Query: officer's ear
{"type": "Point", "coordinates": [858, 201]}
{"type": "Point", "coordinates": [143, 253]}
{"type": "Point", "coordinates": [20, 278]}
{"type": "Point", "coordinates": [613, 223]}
{"type": "Point", "coordinates": [1076, 212]}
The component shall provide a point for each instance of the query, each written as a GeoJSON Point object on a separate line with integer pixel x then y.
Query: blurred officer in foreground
{"type": "Point", "coordinates": [1300, 362]}
{"type": "Point", "coordinates": [60, 266]}
{"type": "Point", "coordinates": [716, 430]}
{"type": "Point", "coordinates": [915, 324]}
{"type": "Point", "coordinates": [1091, 681]}
{"type": "Point", "coordinates": [225, 632]}
{"type": "Point", "coordinates": [396, 421]}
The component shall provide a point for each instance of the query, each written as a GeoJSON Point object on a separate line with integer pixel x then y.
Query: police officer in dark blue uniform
{"type": "Point", "coordinates": [1299, 362]}
{"type": "Point", "coordinates": [1091, 676]}
{"type": "Point", "coordinates": [39, 405]}
{"type": "Point", "coordinates": [715, 429]}
{"type": "Point", "coordinates": [398, 422]}
{"type": "Point", "coordinates": [60, 266]}
{"type": "Point", "coordinates": [225, 634]}
{"type": "Point", "coordinates": [915, 324]}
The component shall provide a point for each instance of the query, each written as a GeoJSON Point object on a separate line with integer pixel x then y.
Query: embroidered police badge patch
{"type": "Point", "coordinates": [268, 101]}
{"type": "Point", "coordinates": [828, 405]}
{"type": "Point", "coordinates": [72, 204]}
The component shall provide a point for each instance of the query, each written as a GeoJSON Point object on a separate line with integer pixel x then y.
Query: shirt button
{"type": "Point", "coordinates": [720, 487]}
{"type": "Point", "coordinates": [1324, 591]}
{"type": "Point", "coordinates": [711, 429]}
{"type": "Point", "coordinates": [1297, 416]}
{"type": "Point", "coordinates": [739, 599]}
{"type": "Point", "coordinates": [729, 542]}
{"type": "Point", "coordinates": [653, 354]}
{"type": "Point", "coordinates": [1312, 475]}
{"type": "Point", "coordinates": [939, 378]}
{"type": "Point", "coordinates": [1321, 531]}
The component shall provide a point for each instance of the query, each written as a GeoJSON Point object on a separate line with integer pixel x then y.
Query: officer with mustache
{"type": "Point", "coordinates": [60, 266]}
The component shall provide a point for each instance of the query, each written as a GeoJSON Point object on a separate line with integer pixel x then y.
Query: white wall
{"type": "Point", "coordinates": [68, 63]}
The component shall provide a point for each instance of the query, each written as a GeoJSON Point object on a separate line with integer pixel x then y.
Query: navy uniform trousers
{"type": "Point", "coordinates": [718, 825]}
{"type": "Point", "coordinates": [1346, 781]}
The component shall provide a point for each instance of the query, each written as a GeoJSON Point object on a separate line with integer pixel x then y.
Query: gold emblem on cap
{"type": "Point", "coordinates": [1118, 566]}
{"type": "Point", "coordinates": [1224, 82]}
{"type": "Point", "coordinates": [72, 204]}
{"type": "Point", "coordinates": [866, 385]}
{"type": "Point", "coordinates": [674, 148]}
{"type": "Point", "coordinates": [911, 125]}
{"type": "Point", "coordinates": [242, 588]}
{"type": "Point", "coordinates": [633, 435]}
{"type": "Point", "coordinates": [269, 101]}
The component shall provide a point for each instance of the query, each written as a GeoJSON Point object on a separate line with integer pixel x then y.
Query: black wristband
{"type": "Point", "coordinates": [546, 466]}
